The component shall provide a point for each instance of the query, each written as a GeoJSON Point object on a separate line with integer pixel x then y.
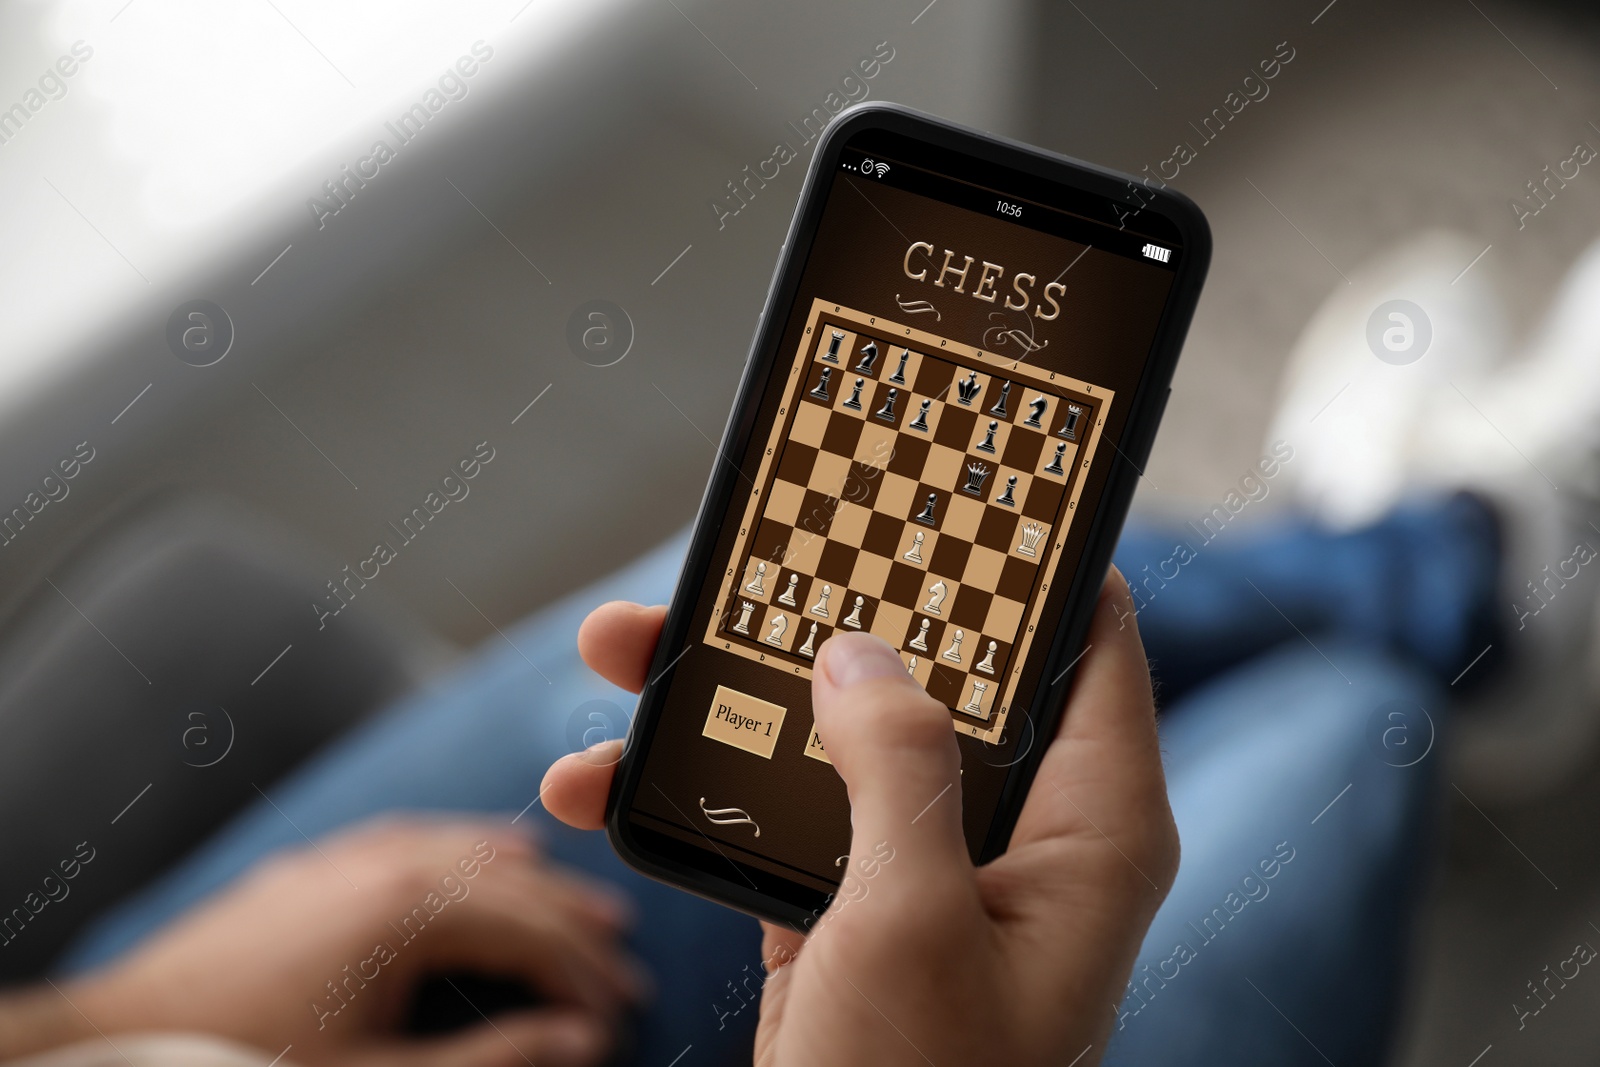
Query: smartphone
{"type": "Point", "coordinates": [964, 354]}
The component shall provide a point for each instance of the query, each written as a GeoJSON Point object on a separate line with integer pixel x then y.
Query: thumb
{"type": "Point", "coordinates": [895, 748]}
{"type": "Point", "coordinates": [550, 1038]}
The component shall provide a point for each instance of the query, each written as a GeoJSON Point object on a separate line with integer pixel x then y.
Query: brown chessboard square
{"type": "Point", "coordinates": [861, 484]}
{"type": "Point", "coordinates": [884, 534]}
{"type": "Point", "coordinates": [770, 541]}
{"type": "Point", "coordinates": [816, 513]}
{"type": "Point", "coordinates": [905, 583]}
{"type": "Point", "coordinates": [935, 378]}
{"type": "Point", "coordinates": [996, 529]}
{"type": "Point", "coordinates": [1016, 578]}
{"type": "Point", "coordinates": [1043, 500]}
{"type": "Point", "coordinates": [1023, 449]}
{"type": "Point", "coordinates": [837, 563]}
{"type": "Point", "coordinates": [843, 431]}
{"type": "Point", "coordinates": [955, 427]}
{"type": "Point", "coordinates": [970, 609]}
{"type": "Point", "coordinates": [795, 464]}
{"type": "Point", "coordinates": [910, 454]}
{"type": "Point", "coordinates": [949, 559]}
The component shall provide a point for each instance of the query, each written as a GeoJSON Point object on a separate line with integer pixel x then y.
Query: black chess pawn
{"type": "Point", "coordinates": [886, 412]}
{"type": "Point", "coordinates": [1036, 406]}
{"type": "Point", "coordinates": [854, 403]}
{"type": "Point", "coordinates": [869, 356]}
{"type": "Point", "coordinates": [921, 421]}
{"type": "Point", "coordinates": [899, 375]}
{"type": "Point", "coordinates": [926, 518]}
{"type": "Point", "coordinates": [987, 444]}
{"type": "Point", "coordinates": [1055, 464]}
{"type": "Point", "coordinates": [1006, 498]}
{"type": "Point", "coordinates": [1000, 405]}
{"type": "Point", "coordinates": [821, 391]}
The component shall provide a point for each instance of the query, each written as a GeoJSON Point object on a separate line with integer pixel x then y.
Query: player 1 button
{"type": "Point", "coordinates": [744, 721]}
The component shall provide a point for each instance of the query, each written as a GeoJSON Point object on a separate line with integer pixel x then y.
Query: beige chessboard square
{"type": "Point", "coordinates": [783, 503]}
{"type": "Point", "coordinates": [847, 389]}
{"type": "Point", "coordinates": [876, 444]}
{"type": "Point", "coordinates": [870, 575]}
{"type": "Point", "coordinates": [961, 517]}
{"type": "Point", "coordinates": [983, 567]}
{"type": "Point", "coordinates": [849, 524]}
{"type": "Point", "coordinates": [980, 434]}
{"type": "Point", "coordinates": [810, 422]}
{"type": "Point", "coordinates": [917, 665]}
{"type": "Point", "coordinates": [804, 551]}
{"type": "Point", "coordinates": [891, 623]}
{"type": "Point", "coordinates": [914, 407]}
{"type": "Point", "coordinates": [825, 338]}
{"type": "Point", "coordinates": [1018, 539]}
{"type": "Point", "coordinates": [945, 468]}
{"type": "Point", "coordinates": [828, 474]}
{"type": "Point", "coordinates": [1005, 619]}
{"type": "Point", "coordinates": [769, 575]}
{"type": "Point", "coordinates": [908, 537]}
{"type": "Point", "coordinates": [896, 495]}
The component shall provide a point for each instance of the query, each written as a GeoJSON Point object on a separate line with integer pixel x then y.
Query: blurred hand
{"type": "Point", "coordinates": [311, 949]}
{"type": "Point", "coordinates": [1018, 962]}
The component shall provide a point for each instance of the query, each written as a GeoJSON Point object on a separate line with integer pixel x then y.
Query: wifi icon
{"type": "Point", "coordinates": [869, 167]}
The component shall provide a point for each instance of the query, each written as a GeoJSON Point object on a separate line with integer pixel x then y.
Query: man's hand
{"type": "Point", "coordinates": [323, 947]}
{"type": "Point", "coordinates": [1019, 962]}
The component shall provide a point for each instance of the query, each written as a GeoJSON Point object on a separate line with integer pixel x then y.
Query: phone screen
{"type": "Point", "coordinates": [930, 440]}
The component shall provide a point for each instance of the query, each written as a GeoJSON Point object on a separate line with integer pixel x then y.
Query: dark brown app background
{"type": "Point", "coordinates": [1110, 310]}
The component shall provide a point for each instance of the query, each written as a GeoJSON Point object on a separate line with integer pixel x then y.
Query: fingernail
{"type": "Point", "coordinates": [852, 659]}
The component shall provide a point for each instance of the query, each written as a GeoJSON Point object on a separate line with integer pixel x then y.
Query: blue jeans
{"type": "Point", "coordinates": [1303, 812]}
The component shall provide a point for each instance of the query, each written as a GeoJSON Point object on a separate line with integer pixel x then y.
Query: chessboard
{"type": "Point", "coordinates": [914, 488]}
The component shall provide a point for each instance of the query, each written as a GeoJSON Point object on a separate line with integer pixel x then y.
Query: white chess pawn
{"type": "Point", "coordinates": [920, 642]}
{"type": "Point", "coordinates": [975, 705]}
{"type": "Point", "coordinates": [809, 649]}
{"type": "Point", "coordinates": [745, 610]}
{"type": "Point", "coordinates": [953, 653]}
{"type": "Point", "coordinates": [986, 665]}
{"type": "Point", "coordinates": [754, 585]}
{"type": "Point", "coordinates": [788, 594]}
{"type": "Point", "coordinates": [915, 553]}
{"type": "Point", "coordinates": [779, 625]}
{"type": "Point", "coordinates": [853, 620]}
{"type": "Point", "coordinates": [936, 594]}
{"type": "Point", "coordinates": [820, 608]}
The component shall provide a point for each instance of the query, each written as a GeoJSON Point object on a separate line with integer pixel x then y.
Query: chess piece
{"type": "Point", "coordinates": [869, 356]}
{"type": "Point", "coordinates": [975, 705]}
{"type": "Point", "coordinates": [746, 609]}
{"type": "Point", "coordinates": [821, 391]}
{"type": "Point", "coordinates": [1000, 405]}
{"type": "Point", "coordinates": [914, 555]}
{"type": "Point", "coordinates": [809, 648]}
{"type": "Point", "coordinates": [1030, 539]}
{"type": "Point", "coordinates": [887, 411]}
{"type": "Point", "coordinates": [921, 421]}
{"type": "Point", "coordinates": [834, 342]}
{"type": "Point", "coordinates": [936, 594]}
{"type": "Point", "coordinates": [788, 594]}
{"type": "Point", "coordinates": [967, 391]}
{"type": "Point", "coordinates": [1055, 464]}
{"type": "Point", "coordinates": [911, 668]}
{"type": "Point", "coordinates": [779, 624]}
{"type": "Point", "coordinates": [987, 444]}
{"type": "Point", "coordinates": [820, 608]}
{"type": "Point", "coordinates": [1036, 408]}
{"type": "Point", "coordinates": [976, 473]}
{"type": "Point", "coordinates": [754, 585]}
{"type": "Point", "coordinates": [854, 403]}
{"type": "Point", "coordinates": [926, 518]}
{"type": "Point", "coordinates": [853, 620]}
{"type": "Point", "coordinates": [1006, 498]}
{"type": "Point", "coordinates": [986, 664]}
{"type": "Point", "coordinates": [1069, 429]}
{"type": "Point", "coordinates": [899, 375]}
{"type": "Point", "coordinates": [920, 642]}
{"type": "Point", "coordinates": [953, 653]}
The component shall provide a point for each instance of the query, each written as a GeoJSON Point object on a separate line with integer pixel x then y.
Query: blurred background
{"type": "Point", "coordinates": [362, 336]}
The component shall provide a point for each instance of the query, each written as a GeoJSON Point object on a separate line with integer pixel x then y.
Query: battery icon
{"type": "Point", "coordinates": [1157, 253]}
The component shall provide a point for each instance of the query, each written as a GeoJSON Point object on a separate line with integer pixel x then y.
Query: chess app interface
{"type": "Point", "coordinates": [922, 463]}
